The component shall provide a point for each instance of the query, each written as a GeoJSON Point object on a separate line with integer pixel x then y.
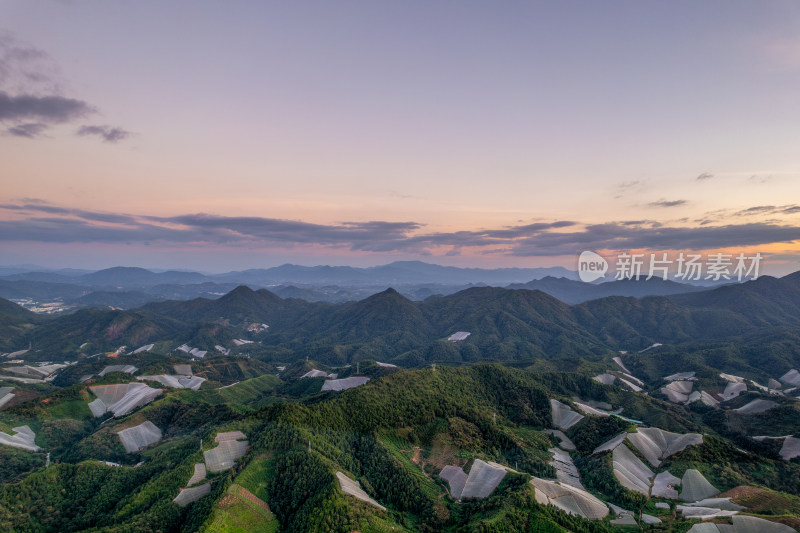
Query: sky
{"type": "Point", "coordinates": [220, 136]}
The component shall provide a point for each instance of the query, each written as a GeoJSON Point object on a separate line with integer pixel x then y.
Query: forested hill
{"type": "Point", "coordinates": [504, 324]}
{"type": "Point", "coordinates": [395, 436]}
{"type": "Point", "coordinates": [253, 412]}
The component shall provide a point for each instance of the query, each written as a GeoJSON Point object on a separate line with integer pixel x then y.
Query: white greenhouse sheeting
{"type": "Point", "coordinates": [719, 503]}
{"type": "Point", "coordinates": [790, 448]}
{"type": "Point", "coordinates": [654, 345]}
{"type": "Point", "coordinates": [664, 485]}
{"type": "Point", "coordinates": [198, 475]}
{"type": "Point", "coordinates": [633, 378]}
{"type": "Point", "coordinates": [187, 496]}
{"type": "Point", "coordinates": [483, 479]}
{"type": "Point", "coordinates": [563, 417]}
{"type": "Point", "coordinates": [756, 406]}
{"type": "Point", "coordinates": [650, 519]}
{"type": "Point", "coordinates": [353, 488]}
{"type": "Point", "coordinates": [631, 472]}
{"type": "Point", "coordinates": [730, 378]}
{"type": "Point", "coordinates": [611, 444]}
{"type": "Point", "coordinates": [680, 376]}
{"type": "Point", "coordinates": [221, 349]}
{"type": "Point", "coordinates": [618, 361]}
{"type": "Point", "coordinates": [456, 478]}
{"type": "Point", "coordinates": [176, 382]}
{"type": "Point", "coordinates": [656, 444]}
{"type": "Point", "coordinates": [241, 342]}
{"type": "Point", "coordinates": [145, 348]}
{"type": "Point", "coordinates": [459, 336]}
{"type": "Point", "coordinates": [695, 487]}
{"type": "Point", "coordinates": [27, 371]}
{"type": "Point", "coordinates": [315, 374]}
{"type": "Point", "coordinates": [230, 435]}
{"type": "Point", "coordinates": [674, 396]}
{"type": "Point", "coordinates": [633, 386]}
{"type": "Point", "coordinates": [709, 400]}
{"type": "Point", "coordinates": [703, 513]}
{"type": "Point", "coordinates": [121, 399]}
{"type": "Point", "coordinates": [224, 455]}
{"type": "Point", "coordinates": [605, 379]}
{"type": "Point", "coordinates": [732, 390]}
{"type": "Point", "coordinates": [682, 386]}
{"type": "Point", "coordinates": [565, 443]}
{"type": "Point", "coordinates": [134, 399]}
{"type": "Point", "coordinates": [20, 379]}
{"type": "Point", "coordinates": [596, 404]}
{"type": "Point", "coordinates": [743, 524]}
{"type": "Point", "coordinates": [183, 370]}
{"type": "Point", "coordinates": [591, 410]}
{"type": "Point", "coordinates": [792, 377]}
{"type": "Point", "coordinates": [127, 369]}
{"type": "Point", "coordinates": [566, 471]}
{"type": "Point", "coordinates": [23, 438]}
{"type": "Point", "coordinates": [623, 517]}
{"type": "Point", "coordinates": [139, 437]}
{"type": "Point", "coordinates": [6, 395]}
{"type": "Point", "coordinates": [569, 499]}
{"type": "Point", "coordinates": [344, 384]}
{"type": "Point", "coordinates": [195, 352]}
{"type": "Point", "coordinates": [653, 443]}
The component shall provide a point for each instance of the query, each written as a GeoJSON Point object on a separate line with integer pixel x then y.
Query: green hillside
{"type": "Point", "coordinates": [393, 436]}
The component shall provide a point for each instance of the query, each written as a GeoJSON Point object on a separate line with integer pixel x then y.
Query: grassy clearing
{"type": "Point", "coordinates": [763, 501]}
{"type": "Point", "coordinates": [256, 475]}
{"type": "Point", "coordinates": [237, 512]}
{"type": "Point", "coordinates": [396, 446]}
{"type": "Point", "coordinates": [78, 409]}
{"type": "Point", "coordinates": [374, 524]}
{"type": "Point", "coordinates": [243, 393]}
{"type": "Point", "coordinates": [251, 389]}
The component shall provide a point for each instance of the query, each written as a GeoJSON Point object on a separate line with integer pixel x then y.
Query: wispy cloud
{"type": "Point", "coordinates": [31, 95]}
{"type": "Point", "coordinates": [705, 176]}
{"type": "Point", "coordinates": [29, 130]}
{"type": "Point", "coordinates": [668, 203]}
{"type": "Point", "coordinates": [789, 209]}
{"type": "Point", "coordinates": [107, 133]}
{"type": "Point", "coordinates": [27, 69]}
{"type": "Point", "coordinates": [41, 222]}
{"type": "Point", "coordinates": [627, 187]}
{"type": "Point", "coordinates": [48, 109]}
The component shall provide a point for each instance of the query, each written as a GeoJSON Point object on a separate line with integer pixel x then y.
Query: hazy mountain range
{"type": "Point", "coordinates": [495, 396]}
{"type": "Point", "coordinates": [128, 287]}
{"type": "Point", "coordinates": [506, 324]}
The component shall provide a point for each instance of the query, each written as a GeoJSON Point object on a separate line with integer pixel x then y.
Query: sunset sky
{"type": "Point", "coordinates": [217, 136]}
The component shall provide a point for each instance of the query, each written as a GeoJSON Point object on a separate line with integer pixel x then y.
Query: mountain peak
{"type": "Point", "coordinates": [242, 291]}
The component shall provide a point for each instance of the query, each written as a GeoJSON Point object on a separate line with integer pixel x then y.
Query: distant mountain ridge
{"type": "Point", "coordinates": [130, 287]}
{"type": "Point", "coordinates": [574, 292]}
{"type": "Point", "coordinates": [398, 273]}
{"type": "Point", "coordinates": [505, 324]}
